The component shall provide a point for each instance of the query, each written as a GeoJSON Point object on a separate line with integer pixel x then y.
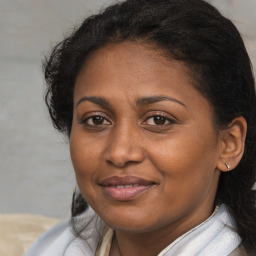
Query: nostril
{"type": "Point", "coordinates": [115, 163]}
{"type": "Point", "coordinates": [124, 158]}
{"type": "Point", "coordinates": [122, 164]}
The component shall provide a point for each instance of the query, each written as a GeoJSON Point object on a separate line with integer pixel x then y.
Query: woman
{"type": "Point", "coordinates": [157, 98]}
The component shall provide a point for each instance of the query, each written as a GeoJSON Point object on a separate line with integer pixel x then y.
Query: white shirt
{"type": "Point", "coordinates": [213, 237]}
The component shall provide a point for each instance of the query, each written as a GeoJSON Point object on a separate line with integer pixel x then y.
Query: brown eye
{"type": "Point", "coordinates": [95, 120]}
{"type": "Point", "coordinates": [159, 120]}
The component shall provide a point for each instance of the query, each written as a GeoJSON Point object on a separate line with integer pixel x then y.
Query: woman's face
{"type": "Point", "coordinates": [143, 143]}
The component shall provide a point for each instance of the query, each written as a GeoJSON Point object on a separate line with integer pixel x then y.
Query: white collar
{"type": "Point", "coordinates": [213, 237]}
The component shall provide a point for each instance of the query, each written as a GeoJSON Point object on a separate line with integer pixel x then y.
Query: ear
{"type": "Point", "coordinates": [231, 144]}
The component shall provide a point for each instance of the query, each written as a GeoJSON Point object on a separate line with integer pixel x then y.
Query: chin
{"type": "Point", "coordinates": [132, 222]}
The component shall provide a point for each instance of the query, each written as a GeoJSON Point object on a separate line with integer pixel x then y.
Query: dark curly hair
{"type": "Point", "coordinates": [191, 31]}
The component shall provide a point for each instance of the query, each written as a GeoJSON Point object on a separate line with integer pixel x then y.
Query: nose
{"type": "Point", "coordinates": [124, 147]}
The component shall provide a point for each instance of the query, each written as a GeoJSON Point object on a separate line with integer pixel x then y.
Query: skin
{"type": "Point", "coordinates": [180, 155]}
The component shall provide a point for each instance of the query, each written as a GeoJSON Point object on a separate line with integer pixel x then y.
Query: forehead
{"type": "Point", "coordinates": [129, 64]}
{"type": "Point", "coordinates": [123, 73]}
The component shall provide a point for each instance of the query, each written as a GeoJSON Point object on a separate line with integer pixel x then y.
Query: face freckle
{"type": "Point", "coordinates": [143, 142]}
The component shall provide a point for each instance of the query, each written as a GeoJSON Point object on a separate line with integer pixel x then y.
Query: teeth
{"type": "Point", "coordinates": [127, 186]}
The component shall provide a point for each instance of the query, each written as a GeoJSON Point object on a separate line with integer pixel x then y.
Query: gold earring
{"type": "Point", "coordinates": [228, 166]}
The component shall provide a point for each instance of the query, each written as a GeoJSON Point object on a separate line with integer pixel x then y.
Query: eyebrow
{"type": "Point", "coordinates": [97, 100]}
{"type": "Point", "coordinates": [139, 102]}
{"type": "Point", "coordinates": [154, 99]}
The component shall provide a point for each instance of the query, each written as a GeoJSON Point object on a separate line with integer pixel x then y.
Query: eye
{"type": "Point", "coordinates": [95, 121]}
{"type": "Point", "coordinates": [159, 120]}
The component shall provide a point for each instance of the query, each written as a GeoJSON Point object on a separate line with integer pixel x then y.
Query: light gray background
{"type": "Point", "coordinates": [36, 174]}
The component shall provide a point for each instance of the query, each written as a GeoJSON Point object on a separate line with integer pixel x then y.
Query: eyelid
{"type": "Point", "coordinates": [169, 117]}
{"type": "Point", "coordinates": [87, 116]}
{"type": "Point", "coordinates": [167, 122]}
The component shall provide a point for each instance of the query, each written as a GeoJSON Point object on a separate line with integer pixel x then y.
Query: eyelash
{"type": "Point", "coordinates": [85, 120]}
{"type": "Point", "coordinates": [165, 118]}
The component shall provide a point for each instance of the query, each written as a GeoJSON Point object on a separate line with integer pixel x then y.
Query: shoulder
{"type": "Point", "coordinates": [58, 236]}
{"type": "Point", "coordinates": [60, 240]}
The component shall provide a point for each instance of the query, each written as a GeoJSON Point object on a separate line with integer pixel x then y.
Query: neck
{"type": "Point", "coordinates": [135, 245]}
{"type": "Point", "coordinates": [150, 243]}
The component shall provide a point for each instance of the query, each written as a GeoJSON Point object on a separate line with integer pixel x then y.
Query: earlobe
{"type": "Point", "coordinates": [231, 146]}
{"type": "Point", "coordinates": [228, 166]}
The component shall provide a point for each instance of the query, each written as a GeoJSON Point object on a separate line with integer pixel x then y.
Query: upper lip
{"type": "Point", "coordinates": [126, 180]}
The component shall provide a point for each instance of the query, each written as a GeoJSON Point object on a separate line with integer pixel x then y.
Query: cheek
{"type": "Point", "coordinates": [187, 160]}
{"type": "Point", "coordinates": [84, 165]}
{"type": "Point", "coordinates": [83, 159]}
{"type": "Point", "coordinates": [189, 177]}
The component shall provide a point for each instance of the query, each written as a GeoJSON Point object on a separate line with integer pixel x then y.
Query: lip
{"type": "Point", "coordinates": [125, 188]}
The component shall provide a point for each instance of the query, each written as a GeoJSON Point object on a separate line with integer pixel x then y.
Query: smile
{"type": "Point", "coordinates": [125, 188]}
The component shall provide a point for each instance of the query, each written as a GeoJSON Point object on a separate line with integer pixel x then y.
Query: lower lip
{"type": "Point", "coordinates": [125, 194]}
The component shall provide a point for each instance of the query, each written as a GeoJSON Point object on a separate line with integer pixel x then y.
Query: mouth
{"type": "Point", "coordinates": [125, 188]}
